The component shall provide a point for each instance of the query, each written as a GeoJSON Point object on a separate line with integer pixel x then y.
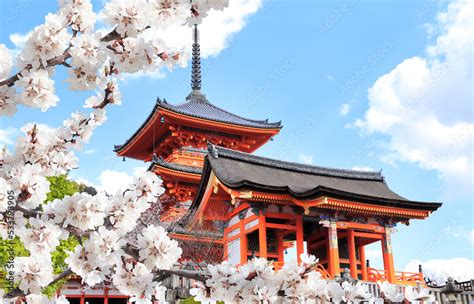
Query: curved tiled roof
{"type": "Point", "coordinates": [238, 170]}
{"type": "Point", "coordinates": [216, 151]}
{"type": "Point", "coordinates": [198, 106]}
{"type": "Point", "coordinates": [173, 166]}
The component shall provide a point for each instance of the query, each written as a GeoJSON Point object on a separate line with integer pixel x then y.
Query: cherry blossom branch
{"type": "Point", "coordinates": [58, 60]}
{"type": "Point", "coordinates": [19, 293]}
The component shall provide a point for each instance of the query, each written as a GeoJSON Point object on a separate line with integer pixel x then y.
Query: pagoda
{"type": "Point", "coordinates": [174, 139]}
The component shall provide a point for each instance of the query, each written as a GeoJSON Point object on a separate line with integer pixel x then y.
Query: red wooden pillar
{"type": "Point", "coordinates": [226, 245]}
{"type": "Point", "coordinates": [333, 258]}
{"type": "Point", "coordinates": [106, 293]}
{"type": "Point", "coordinates": [280, 247]}
{"type": "Point", "coordinates": [243, 240]}
{"type": "Point", "coordinates": [388, 256]}
{"type": "Point", "coordinates": [299, 237]}
{"type": "Point", "coordinates": [262, 234]}
{"type": "Point", "coordinates": [352, 252]}
{"type": "Point", "coordinates": [363, 265]}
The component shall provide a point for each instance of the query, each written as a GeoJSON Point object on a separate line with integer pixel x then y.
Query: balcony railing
{"type": "Point", "coordinates": [376, 275]}
{"type": "Point", "coordinates": [401, 277]}
{"type": "Point", "coordinates": [409, 278]}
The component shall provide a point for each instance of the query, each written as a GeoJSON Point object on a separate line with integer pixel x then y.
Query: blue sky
{"type": "Point", "coordinates": [309, 64]}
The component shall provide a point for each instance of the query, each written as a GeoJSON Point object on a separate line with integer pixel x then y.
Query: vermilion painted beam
{"type": "Point", "coordinates": [281, 226]}
{"type": "Point", "coordinates": [317, 244]}
{"type": "Point", "coordinates": [280, 215]}
{"type": "Point", "coordinates": [238, 209]}
{"type": "Point", "coordinates": [247, 220]}
{"type": "Point", "coordinates": [369, 235]}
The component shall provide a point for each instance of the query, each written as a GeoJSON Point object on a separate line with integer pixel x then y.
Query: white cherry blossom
{"type": "Point", "coordinates": [6, 62]}
{"type": "Point", "coordinates": [87, 52]}
{"type": "Point", "coordinates": [164, 13]}
{"type": "Point", "coordinates": [78, 14]}
{"type": "Point", "coordinates": [31, 185]}
{"type": "Point", "coordinates": [157, 250]}
{"type": "Point", "coordinates": [38, 90]}
{"type": "Point", "coordinates": [418, 296]}
{"type": "Point", "coordinates": [129, 17]}
{"type": "Point", "coordinates": [133, 278]}
{"type": "Point", "coordinates": [7, 100]}
{"type": "Point", "coordinates": [41, 236]}
{"type": "Point", "coordinates": [80, 210]}
{"type": "Point", "coordinates": [391, 291]}
{"type": "Point", "coordinates": [130, 55]}
{"type": "Point", "coordinates": [33, 273]}
{"type": "Point", "coordinates": [45, 42]}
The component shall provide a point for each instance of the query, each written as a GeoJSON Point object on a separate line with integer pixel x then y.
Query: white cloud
{"type": "Point", "coordinates": [425, 104]}
{"type": "Point", "coordinates": [330, 77]}
{"type": "Point", "coordinates": [345, 109]}
{"type": "Point", "coordinates": [89, 151]}
{"type": "Point", "coordinates": [215, 31]}
{"type": "Point", "coordinates": [460, 269]}
{"type": "Point", "coordinates": [7, 136]}
{"type": "Point", "coordinates": [362, 168]}
{"type": "Point", "coordinates": [110, 180]}
{"type": "Point", "coordinates": [19, 39]}
{"type": "Point", "coordinates": [460, 232]}
{"type": "Point", "coordinates": [157, 74]}
{"type": "Point", "coordinates": [306, 159]}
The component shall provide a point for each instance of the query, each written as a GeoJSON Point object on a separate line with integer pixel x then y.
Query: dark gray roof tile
{"type": "Point", "coordinates": [163, 163]}
{"type": "Point", "coordinates": [239, 170]}
{"type": "Point", "coordinates": [198, 106]}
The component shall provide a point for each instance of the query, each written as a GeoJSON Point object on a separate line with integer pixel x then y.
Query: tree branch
{"type": "Point", "coordinates": [19, 293]}
{"type": "Point", "coordinates": [58, 60]}
{"type": "Point", "coordinates": [50, 63]}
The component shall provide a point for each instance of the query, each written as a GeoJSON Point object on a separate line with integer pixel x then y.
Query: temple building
{"type": "Point", "coordinates": [331, 213]}
{"type": "Point", "coordinates": [243, 205]}
{"type": "Point", "coordinates": [174, 140]}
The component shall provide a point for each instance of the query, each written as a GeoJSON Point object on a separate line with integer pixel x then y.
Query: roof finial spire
{"type": "Point", "coordinates": [196, 62]}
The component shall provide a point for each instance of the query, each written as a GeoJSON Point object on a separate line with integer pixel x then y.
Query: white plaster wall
{"type": "Point", "coordinates": [233, 251]}
{"type": "Point", "coordinates": [251, 224]}
{"type": "Point", "coordinates": [234, 220]}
